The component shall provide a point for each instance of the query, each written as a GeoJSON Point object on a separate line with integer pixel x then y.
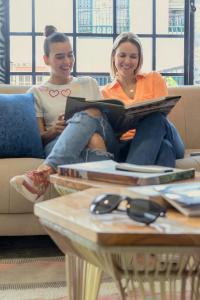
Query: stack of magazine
{"type": "Point", "coordinates": [184, 197]}
{"type": "Point", "coordinates": [113, 172]}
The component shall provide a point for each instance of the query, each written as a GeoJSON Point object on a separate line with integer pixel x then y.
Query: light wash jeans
{"type": "Point", "coordinates": [157, 142]}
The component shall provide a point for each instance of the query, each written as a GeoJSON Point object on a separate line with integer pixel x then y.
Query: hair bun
{"type": "Point", "coordinates": [49, 29]}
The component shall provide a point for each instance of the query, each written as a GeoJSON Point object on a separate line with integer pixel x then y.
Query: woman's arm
{"type": "Point", "coordinates": [160, 86]}
{"type": "Point", "coordinates": [50, 134]}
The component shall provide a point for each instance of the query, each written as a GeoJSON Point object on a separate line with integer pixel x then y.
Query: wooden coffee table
{"type": "Point", "coordinates": [139, 258]}
{"type": "Point", "coordinates": [66, 185]}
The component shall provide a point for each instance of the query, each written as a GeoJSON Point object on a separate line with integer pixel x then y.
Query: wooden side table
{"type": "Point", "coordinates": [137, 257]}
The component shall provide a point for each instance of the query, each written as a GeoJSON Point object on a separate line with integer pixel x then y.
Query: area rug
{"type": "Point", "coordinates": [41, 279]}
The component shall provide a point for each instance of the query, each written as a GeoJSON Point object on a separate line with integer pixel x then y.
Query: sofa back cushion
{"type": "Point", "coordinates": [19, 132]}
{"type": "Point", "coordinates": [186, 114]}
{"type": "Point", "coordinates": [13, 89]}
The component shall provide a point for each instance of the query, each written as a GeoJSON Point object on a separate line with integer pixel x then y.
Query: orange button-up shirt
{"type": "Point", "coordinates": [148, 86]}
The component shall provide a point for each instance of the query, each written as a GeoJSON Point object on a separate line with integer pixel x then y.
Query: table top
{"type": "Point", "coordinates": [71, 212]}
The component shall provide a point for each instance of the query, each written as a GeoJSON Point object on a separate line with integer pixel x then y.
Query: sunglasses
{"type": "Point", "coordinates": [140, 210]}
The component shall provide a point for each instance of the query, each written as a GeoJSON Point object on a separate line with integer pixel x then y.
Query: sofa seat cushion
{"type": "Point", "coordinates": [10, 200]}
{"type": "Point", "coordinates": [19, 134]}
{"type": "Point", "coordinates": [189, 161]}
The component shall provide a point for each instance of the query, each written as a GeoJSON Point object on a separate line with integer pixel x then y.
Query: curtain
{"type": "Point", "coordinates": [4, 47]}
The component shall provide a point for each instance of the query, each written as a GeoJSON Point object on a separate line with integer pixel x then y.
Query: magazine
{"type": "Point", "coordinates": [184, 197]}
{"type": "Point", "coordinates": [106, 171]}
{"type": "Point", "coordinates": [117, 112]}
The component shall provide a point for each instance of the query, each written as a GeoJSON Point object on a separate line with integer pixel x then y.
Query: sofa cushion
{"type": "Point", "coordinates": [19, 132]}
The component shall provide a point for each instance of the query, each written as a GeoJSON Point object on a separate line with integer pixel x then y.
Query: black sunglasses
{"type": "Point", "coordinates": [140, 210]}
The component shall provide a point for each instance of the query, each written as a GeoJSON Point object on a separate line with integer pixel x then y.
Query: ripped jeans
{"type": "Point", "coordinates": [71, 145]}
{"type": "Point", "coordinates": [157, 142]}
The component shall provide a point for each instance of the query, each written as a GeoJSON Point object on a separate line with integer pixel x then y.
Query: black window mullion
{"type": "Point", "coordinates": [7, 41]}
{"type": "Point", "coordinates": [74, 37]}
{"type": "Point", "coordinates": [154, 35]}
{"type": "Point", "coordinates": [114, 3]}
{"type": "Point", "coordinates": [192, 10]}
{"type": "Point", "coordinates": [33, 44]}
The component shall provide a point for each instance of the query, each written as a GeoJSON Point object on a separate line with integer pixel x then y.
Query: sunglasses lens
{"type": "Point", "coordinates": [105, 203]}
{"type": "Point", "coordinates": [144, 211]}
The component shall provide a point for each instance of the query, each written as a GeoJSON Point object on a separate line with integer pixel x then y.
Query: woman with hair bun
{"type": "Point", "coordinates": [64, 142]}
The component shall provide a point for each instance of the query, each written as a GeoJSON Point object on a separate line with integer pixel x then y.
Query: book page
{"type": "Point", "coordinates": [163, 101]}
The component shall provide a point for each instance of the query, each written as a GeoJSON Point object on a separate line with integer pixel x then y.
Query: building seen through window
{"type": "Point", "coordinates": [92, 25]}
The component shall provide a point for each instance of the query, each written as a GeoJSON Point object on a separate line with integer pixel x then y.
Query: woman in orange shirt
{"type": "Point", "coordinates": [154, 139]}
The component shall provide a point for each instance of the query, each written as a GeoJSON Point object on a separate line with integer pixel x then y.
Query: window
{"type": "Point", "coordinates": [92, 26]}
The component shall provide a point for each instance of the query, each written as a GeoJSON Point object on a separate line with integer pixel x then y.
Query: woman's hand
{"type": "Point", "coordinates": [59, 125]}
{"type": "Point", "coordinates": [56, 129]}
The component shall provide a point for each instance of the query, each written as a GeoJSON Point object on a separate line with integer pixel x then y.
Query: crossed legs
{"type": "Point", "coordinates": [156, 142]}
{"type": "Point", "coordinates": [86, 137]}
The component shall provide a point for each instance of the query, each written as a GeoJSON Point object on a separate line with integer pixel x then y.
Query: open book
{"type": "Point", "coordinates": [117, 112]}
{"type": "Point", "coordinates": [107, 171]}
{"type": "Point", "coordinates": [184, 197]}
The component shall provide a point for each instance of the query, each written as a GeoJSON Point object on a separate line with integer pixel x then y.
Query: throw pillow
{"type": "Point", "coordinates": [19, 132]}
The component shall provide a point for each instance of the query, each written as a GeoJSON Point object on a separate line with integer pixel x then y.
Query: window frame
{"type": "Point", "coordinates": [188, 37]}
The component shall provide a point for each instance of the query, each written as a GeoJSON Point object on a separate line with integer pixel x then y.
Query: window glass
{"type": "Point", "coordinates": [173, 81]}
{"type": "Point", "coordinates": [170, 16]}
{"type": "Point", "coordinates": [93, 54]}
{"type": "Point", "coordinates": [102, 80]}
{"type": "Point", "coordinates": [170, 55]}
{"type": "Point", "coordinates": [147, 54]}
{"type": "Point", "coordinates": [22, 80]}
{"type": "Point", "coordinates": [94, 26]}
{"type": "Point", "coordinates": [94, 16]}
{"type": "Point", "coordinates": [123, 15]}
{"type": "Point", "coordinates": [54, 12]}
{"type": "Point", "coordinates": [20, 57]}
{"type": "Point", "coordinates": [39, 62]}
{"type": "Point", "coordinates": [140, 16]}
{"type": "Point", "coordinates": [41, 78]}
{"type": "Point", "coordinates": [17, 22]}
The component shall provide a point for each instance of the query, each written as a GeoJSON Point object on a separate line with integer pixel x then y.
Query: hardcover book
{"type": "Point", "coordinates": [106, 171]}
{"type": "Point", "coordinates": [117, 112]}
{"type": "Point", "coordinates": [184, 197]}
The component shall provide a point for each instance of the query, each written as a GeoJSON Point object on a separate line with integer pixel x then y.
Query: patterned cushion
{"type": "Point", "coordinates": [19, 132]}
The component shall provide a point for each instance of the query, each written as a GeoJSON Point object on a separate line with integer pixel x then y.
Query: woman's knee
{"type": "Point", "coordinates": [157, 117]}
{"type": "Point", "coordinates": [97, 142]}
{"type": "Point", "coordinates": [94, 112]}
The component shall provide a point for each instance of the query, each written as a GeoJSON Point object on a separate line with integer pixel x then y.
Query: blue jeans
{"type": "Point", "coordinates": [157, 142]}
{"type": "Point", "coordinates": [71, 145]}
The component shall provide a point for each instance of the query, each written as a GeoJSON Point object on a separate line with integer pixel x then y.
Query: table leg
{"type": "Point", "coordinates": [83, 278]}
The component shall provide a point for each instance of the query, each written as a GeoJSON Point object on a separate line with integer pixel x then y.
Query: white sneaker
{"type": "Point", "coordinates": [31, 185]}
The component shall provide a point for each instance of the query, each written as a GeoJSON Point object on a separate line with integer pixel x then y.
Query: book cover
{"type": "Point", "coordinates": [117, 112]}
{"type": "Point", "coordinates": [184, 197]}
{"type": "Point", "coordinates": [106, 171]}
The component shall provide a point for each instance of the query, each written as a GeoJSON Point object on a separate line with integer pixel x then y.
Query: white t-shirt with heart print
{"type": "Point", "coordinates": [50, 99]}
